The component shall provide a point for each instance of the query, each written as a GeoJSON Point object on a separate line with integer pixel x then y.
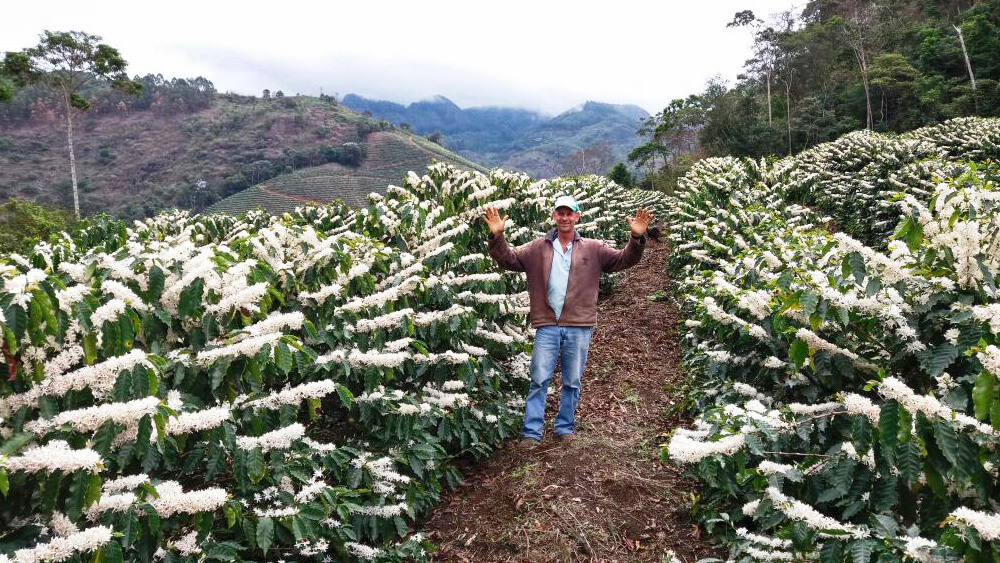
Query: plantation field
{"type": "Point", "coordinates": [842, 342]}
{"type": "Point", "coordinates": [390, 157]}
{"type": "Point", "coordinates": [292, 387]}
{"type": "Point", "coordinates": [299, 386]}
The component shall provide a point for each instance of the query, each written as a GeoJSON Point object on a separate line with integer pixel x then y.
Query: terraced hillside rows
{"type": "Point", "coordinates": [391, 155]}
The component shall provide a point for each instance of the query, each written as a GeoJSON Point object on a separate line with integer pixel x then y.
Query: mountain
{"type": "Point", "coordinates": [134, 163]}
{"type": "Point", "coordinates": [520, 139]}
{"type": "Point", "coordinates": [548, 148]}
{"type": "Point", "coordinates": [483, 134]}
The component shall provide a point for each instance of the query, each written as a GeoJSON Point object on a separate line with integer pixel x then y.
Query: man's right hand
{"type": "Point", "coordinates": [494, 221]}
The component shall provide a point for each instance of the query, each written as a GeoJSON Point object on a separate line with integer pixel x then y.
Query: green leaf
{"type": "Point", "coordinates": [346, 397]}
{"type": "Point", "coordinates": [312, 512]}
{"type": "Point", "coordinates": [831, 552]}
{"type": "Point", "coordinates": [89, 344]}
{"type": "Point", "coordinates": [909, 462]}
{"type": "Point", "coordinates": [809, 300]}
{"type": "Point", "coordinates": [857, 266]}
{"type": "Point", "coordinates": [222, 551]}
{"type": "Point", "coordinates": [15, 443]}
{"type": "Point", "coordinates": [233, 513]}
{"type": "Point", "coordinates": [145, 430]}
{"type": "Point", "coordinates": [903, 228]}
{"type": "Point", "coordinates": [216, 459]}
{"type": "Point", "coordinates": [947, 440]}
{"type": "Point", "coordinates": [884, 495]}
{"type": "Point", "coordinates": [111, 552]}
{"type": "Point", "coordinates": [935, 360]}
{"type": "Point", "coordinates": [888, 427]}
{"type": "Point", "coordinates": [93, 490]}
{"type": "Point", "coordinates": [265, 533]}
{"type": "Point", "coordinates": [156, 279]}
{"type": "Point", "coordinates": [968, 462]}
{"type": "Point", "coordinates": [17, 319]}
{"type": "Point", "coordinates": [886, 526]}
{"type": "Point", "coordinates": [77, 492]}
{"type": "Point", "coordinates": [283, 357]}
{"type": "Point", "coordinates": [50, 492]}
{"type": "Point", "coordinates": [299, 527]}
{"type": "Point", "coordinates": [256, 466]}
{"type": "Point", "coordinates": [4, 482]}
{"type": "Point", "coordinates": [798, 352]}
{"type": "Point", "coordinates": [47, 310]}
{"type": "Point", "coordinates": [190, 300]}
{"type": "Point", "coordinates": [152, 520]}
{"type": "Point", "coordinates": [862, 550]}
{"type": "Point", "coordinates": [984, 394]}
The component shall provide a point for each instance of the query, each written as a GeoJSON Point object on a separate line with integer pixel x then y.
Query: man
{"type": "Point", "coordinates": [563, 271]}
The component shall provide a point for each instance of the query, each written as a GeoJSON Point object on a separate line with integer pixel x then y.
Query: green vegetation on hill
{"type": "Point", "coordinates": [23, 224]}
{"type": "Point", "coordinates": [390, 156]}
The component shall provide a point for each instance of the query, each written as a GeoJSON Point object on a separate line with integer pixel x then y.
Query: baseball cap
{"type": "Point", "coordinates": [566, 201]}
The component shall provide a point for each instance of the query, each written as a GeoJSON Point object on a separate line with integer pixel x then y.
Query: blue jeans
{"type": "Point", "coordinates": [568, 344]}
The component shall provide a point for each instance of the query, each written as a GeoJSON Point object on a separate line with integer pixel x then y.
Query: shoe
{"type": "Point", "coordinates": [527, 443]}
{"type": "Point", "coordinates": [565, 439]}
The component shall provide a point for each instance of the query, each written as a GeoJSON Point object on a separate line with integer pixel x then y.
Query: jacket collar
{"type": "Point", "coordinates": [554, 234]}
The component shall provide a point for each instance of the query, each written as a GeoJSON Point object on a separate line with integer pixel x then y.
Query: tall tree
{"type": "Point", "coordinates": [968, 65]}
{"type": "Point", "coordinates": [765, 45]}
{"type": "Point", "coordinates": [856, 29]}
{"type": "Point", "coordinates": [621, 175]}
{"type": "Point", "coordinates": [67, 62]}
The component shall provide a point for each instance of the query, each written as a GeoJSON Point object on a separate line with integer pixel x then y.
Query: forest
{"type": "Point", "coordinates": [837, 66]}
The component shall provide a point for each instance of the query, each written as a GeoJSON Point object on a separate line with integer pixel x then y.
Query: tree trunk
{"type": "Point", "coordinates": [968, 65]}
{"type": "Point", "coordinates": [769, 97]}
{"type": "Point", "coordinates": [859, 54]}
{"type": "Point", "coordinates": [788, 114]}
{"type": "Point", "coordinates": [72, 157]}
{"type": "Point", "coordinates": [858, 45]}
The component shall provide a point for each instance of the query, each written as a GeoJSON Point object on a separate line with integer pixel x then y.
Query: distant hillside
{"type": "Point", "coordinates": [391, 154]}
{"type": "Point", "coordinates": [547, 149]}
{"type": "Point", "coordinates": [134, 163]}
{"type": "Point", "coordinates": [517, 138]}
{"type": "Point", "coordinates": [484, 134]}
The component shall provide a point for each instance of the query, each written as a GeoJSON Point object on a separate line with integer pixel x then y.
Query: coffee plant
{"type": "Point", "coordinates": [291, 387]}
{"type": "Point", "coordinates": [842, 331]}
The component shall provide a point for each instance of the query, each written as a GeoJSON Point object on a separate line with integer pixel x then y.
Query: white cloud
{"type": "Point", "coordinates": [548, 55]}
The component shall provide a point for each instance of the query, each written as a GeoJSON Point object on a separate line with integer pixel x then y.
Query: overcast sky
{"type": "Point", "coordinates": [539, 54]}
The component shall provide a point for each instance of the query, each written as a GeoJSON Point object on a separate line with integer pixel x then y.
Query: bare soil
{"type": "Point", "coordinates": [605, 496]}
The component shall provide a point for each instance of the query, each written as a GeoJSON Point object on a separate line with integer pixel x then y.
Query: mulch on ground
{"type": "Point", "coordinates": [604, 497]}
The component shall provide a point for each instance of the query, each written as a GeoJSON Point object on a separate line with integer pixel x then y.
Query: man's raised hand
{"type": "Point", "coordinates": [641, 221]}
{"type": "Point", "coordinates": [494, 221]}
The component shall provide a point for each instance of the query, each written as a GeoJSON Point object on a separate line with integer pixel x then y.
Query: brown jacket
{"type": "Point", "coordinates": [590, 258]}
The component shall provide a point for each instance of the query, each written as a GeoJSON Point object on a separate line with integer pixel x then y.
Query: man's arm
{"type": "Point", "coordinates": [501, 252]}
{"type": "Point", "coordinates": [616, 260]}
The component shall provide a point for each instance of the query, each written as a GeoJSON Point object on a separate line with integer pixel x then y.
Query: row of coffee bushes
{"type": "Point", "coordinates": [847, 405]}
{"type": "Point", "coordinates": [857, 178]}
{"type": "Point", "coordinates": [263, 387]}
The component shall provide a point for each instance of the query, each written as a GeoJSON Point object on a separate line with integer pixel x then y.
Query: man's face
{"type": "Point", "coordinates": [565, 219]}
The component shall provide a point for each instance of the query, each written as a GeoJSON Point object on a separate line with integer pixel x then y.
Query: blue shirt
{"type": "Point", "coordinates": [559, 275]}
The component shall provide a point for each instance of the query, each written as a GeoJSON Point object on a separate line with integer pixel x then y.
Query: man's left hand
{"type": "Point", "coordinates": [640, 222]}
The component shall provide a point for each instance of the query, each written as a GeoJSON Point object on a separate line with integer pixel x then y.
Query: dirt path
{"type": "Point", "coordinates": [605, 497]}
